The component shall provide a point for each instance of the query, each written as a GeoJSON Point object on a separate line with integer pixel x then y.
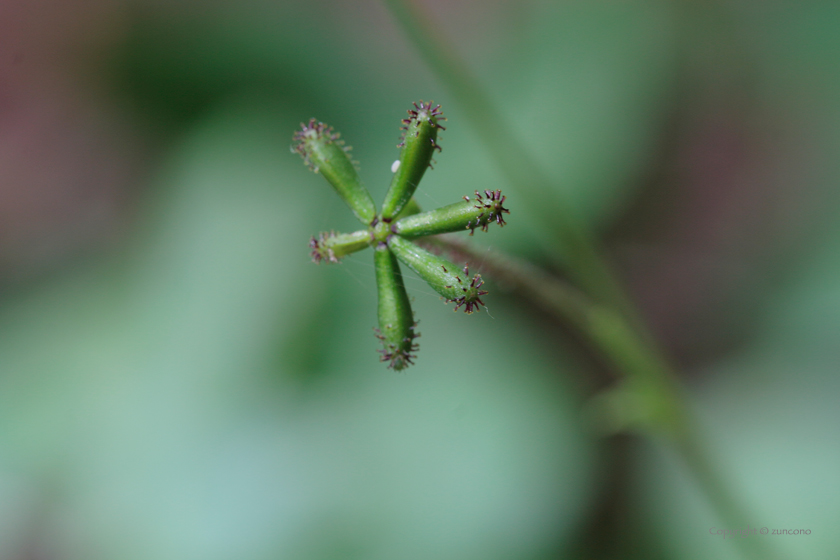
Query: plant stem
{"type": "Point", "coordinates": [647, 378]}
{"type": "Point", "coordinates": [629, 354]}
{"type": "Point", "coordinates": [600, 310]}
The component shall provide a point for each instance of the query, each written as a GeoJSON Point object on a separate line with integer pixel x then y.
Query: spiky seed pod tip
{"type": "Point", "coordinates": [469, 214]}
{"type": "Point", "coordinates": [324, 152]}
{"type": "Point", "coordinates": [397, 329]}
{"type": "Point", "coordinates": [418, 144]}
{"type": "Point", "coordinates": [442, 275]}
{"type": "Point", "coordinates": [331, 246]}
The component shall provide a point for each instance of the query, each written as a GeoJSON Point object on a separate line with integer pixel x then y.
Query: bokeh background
{"type": "Point", "coordinates": [179, 381]}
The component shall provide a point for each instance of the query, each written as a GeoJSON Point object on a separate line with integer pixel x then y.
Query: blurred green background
{"type": "Point", "coordinates": [178, 380]}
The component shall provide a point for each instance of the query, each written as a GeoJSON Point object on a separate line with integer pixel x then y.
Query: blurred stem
{"type": "Point", "coordinates": [600, 310]}
{"type": "Point", "coordinates": [629, 355]}
{"type": "Point", "coordinates": [647, 383]}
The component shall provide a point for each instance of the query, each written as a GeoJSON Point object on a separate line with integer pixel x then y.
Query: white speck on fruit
{"type": "Point", "coordinates": [395, 166]}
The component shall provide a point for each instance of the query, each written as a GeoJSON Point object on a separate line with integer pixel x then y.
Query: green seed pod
{"type": "Point", "coordinates": [396, 321]}
{"type": "Point", "coordinates": [442, 275]}
{"type": "Point", "coordinates": [331, 246]}
{"type": "Point", "coordinates": [324, 152]}
{"type": "Point", "coordinates": [470, 214]}
{"type": "Point", "coordinates": [418, 143]}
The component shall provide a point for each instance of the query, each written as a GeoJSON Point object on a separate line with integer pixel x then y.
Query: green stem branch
{"type": "Point", "coordinates": [600, 310]}
{"type": "Point", "coordinates": [657, 402]}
